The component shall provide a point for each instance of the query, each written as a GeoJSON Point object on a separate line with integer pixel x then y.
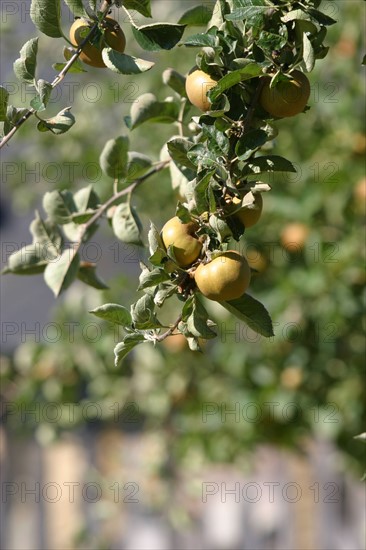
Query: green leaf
{"type": "Point", "coordinates": [44, 89]}
{"type": "Point", "coordinates": [308, 53]}
{"type": "Point", "coordinates": [48, 236]}
{"type": "Point", "coordinates": [86, 202]}
{"type": "Point", "coordinates": [86, 198]}
{"type": "Point", "coordinates": [114, 313]}
{"type": "Point", "coordinates": [250, 141]}
{"type": "Point", "coordinates": [252, 312]}
{"type": "Point", "coordinates": [305, 25]}
{"type": "Point", "coordinates": [138, 164]}
{"type": "Point", "coordinates": [46, 16]}
{"type": "Point", "coordinates": [59, 206]}
{"type": "Point", "coordinates": [249, 3]}
{"type": "Point", "coordinates": [58, 124]}
{"type": "Point", "coordinates": [270, 41]}
{"type": "Point", "coordinates": [198, 16]}
{"type": "Point", "coordinates": [125, 64]}
{"type": "Point", "coordinates": [13, 116]}
{"type": "Point", "coordinates": [123, 348]}
{"type": "Point", "coordinates": [87, 274]}
{"type": "Point", "coordinates": [165, 291]}
{"type": "Point", "coordinates": [142, 6]}
{"type": "Point", "coordinates": [221, 228]}
{"type": "Point", "coordinates": [126, 224]}
{"type": "Point", "coordinates": [152, 278]}
{"type": "Point", "coordinates": [218, 141]}
{"type": "Point", "coordinates": [178, 174]}
{"type": "Point", "coordinates": [176, 81]}
{"type": "Point", "coordinates": [81, 217]}
{"type": "Point", "coordinates": [182, 212]}
{"type": "Point", "coordinates": [26, 261]}
{"type": "Point", "coordinates": [159, 36]}
{"type": "Point", "coordinates": [218, 13]}
{"type": "Point", "coordinates": [231, 79]}
{"type": "Point", "coordinates": [154, 238]}
{"type": "Point", "coordinates": [200, 191]}
{"type": "Point", "coordinates": [252, 11]}
{"type": "Point", "coordinates": [193, 344]}
{"type": "Point", "coordinates": [201, 156]}
{"type": "Point", "coordinates": [295, 15]}
{"type": "Point", "coordinates": [76, 67]}
{"type": "Point", "coordinates": [148, 108]}
{"type": "Point", "coordinates": [364, 60]}
{"type": "Point", "coordinates": [143, 314]}
{"type": "Point", "coordinates": [72, 229]}
{"type": "Point", "coordinates": [4, 96]}
{"type": "Point", "coordinates": [202, 41]}
{"type": "Point", "coordinates": [270, 163]}
{"type": "Point", "coordinates": [60, 273]}
{"type": "Point", "coordinates": [156, 246]}
{"type": "Point", "coordinates": [196, 318]}
{"type": "Point", "coordinates": [178, 150]}
{"type": "Point", "coordinates": [180, 177]}
{"type": "Point", "coordinates": [76, 7]}
{"type": "Point", "coordinates": [320, 17]}
{"type": "Point", "coordinates": [113, 159]}
{"type": "Point", "coordinates": [25, 66]}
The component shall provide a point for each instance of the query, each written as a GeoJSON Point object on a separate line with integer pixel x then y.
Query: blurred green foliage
{"type": "Point", "coordinates": [304, 382]}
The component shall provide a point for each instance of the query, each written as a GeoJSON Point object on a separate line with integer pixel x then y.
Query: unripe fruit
{"type": "Point", "coordinates": [248, 216]}
{"type": "Point", "coordinates": [175, 343]}
{"type": "Point", "coordinates": [91, 54]}
{"type": "Point", "coordinates": [291, 377]}
{"type": "Point", "coordinates": [294, 235]}
{"type": "Point", "coordinates": [181, 236]}
{"type": "Point", "coordinates": [359, 144]}
{"type": "Point", "coordinates": [198, 84]}
{"type": "Point", "coordinates": [288, 97]}
{"type": "Point", "coordinates": [226, 277]}
{"type": "Point", "coordinates": [256, 260]}
{"type": "Point", "coordinates": [359, 194]}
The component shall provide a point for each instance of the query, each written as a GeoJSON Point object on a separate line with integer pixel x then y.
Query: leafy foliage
{"type": "Point", "coordinates": [213, 166]}
{"type": "Point", "coordinates": [316, 357]}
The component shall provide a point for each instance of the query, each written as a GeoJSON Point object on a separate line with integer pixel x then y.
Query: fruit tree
{"type": "Point", "coordinates": [250, 68]}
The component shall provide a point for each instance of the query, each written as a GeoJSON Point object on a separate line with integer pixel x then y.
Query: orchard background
{"type": "Point", "coordinates": [290, 391]}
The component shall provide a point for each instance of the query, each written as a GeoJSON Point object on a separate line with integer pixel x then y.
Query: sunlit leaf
{"type": "Point", "coordinates": [113, 159]}
{"type": "Point", "coordinates": [60, 273]}
{"type": "Point", "coordinates": [46, 15]}
{"type": "Point", "coordinates": [114, 313]}
{"type": "Point", "coordinates": [159, 36]}
{"type": "Point", "coordinates": [25, 66]}
{"type": "Point", "coordinates": [252, 312]}
{"type": "Point", "coordinates": [123, 63]}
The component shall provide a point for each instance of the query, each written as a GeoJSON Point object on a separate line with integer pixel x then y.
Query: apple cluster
{"type": "Point", "coordinates": [226, 275]}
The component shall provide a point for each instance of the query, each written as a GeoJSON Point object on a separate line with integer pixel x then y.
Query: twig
{"type": "Point", "coordinates": [114, 198]}
{"type": "Point", "coordinates": [104, 10]}
{"type": "Point", "coordinates": [169, 332]}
